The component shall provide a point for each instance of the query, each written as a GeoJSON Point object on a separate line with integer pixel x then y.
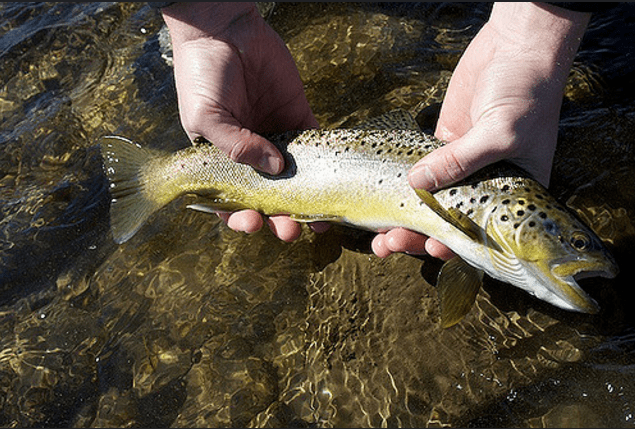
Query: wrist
{"type": "Point", "coordinates": [190, 21]}
{"type": "Point", "coordinates": [550, 33]}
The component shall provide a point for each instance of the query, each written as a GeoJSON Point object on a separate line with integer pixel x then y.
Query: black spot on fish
{"type": "Point", "coordinates": [453, 192]}
{"type": "Point", "coordinates": [410, 152]}
{"type": "Point", "coordinates": [521, 202]}
{"type": "Point", "coordinates": [520, 213]}
{"type": "Point", "coordinates": [540, 197]}
{"type": "Point", "coordinates": [516, 225]}
{"type": "Point", "coordinates": [380, 181]}
{"type": "Point", "coordinates": [527, 190]}
{"type": "Point", "coordinates": [459, 204]}
{"type": "Point", "coordinates": [398, 174]}
{"type": "Point", "coordinates": [505, 188]}
{"type": "Point", "coordinates": [504, 218]}
{"type": "Point", "coordinates": [402, 205]}
{"type": "Point", "coordinates": [532, 224]}
{"type": "Point", "coordinates": [204, 163]}
{"type": "Point", "coordinates": [506, 202]}
{"type": "Point", "coordinates": [542, 215]}
{"type": "Point", "coordinates": [484, 199]}
{"type": "Point", "coordinates": [472, 200]}
{"type": "Point", "coordinates": [531, 207]}
{"type": "Point", "coordinates": [469, 212]}
{"type": "Point", "coordinates": [379, 152]}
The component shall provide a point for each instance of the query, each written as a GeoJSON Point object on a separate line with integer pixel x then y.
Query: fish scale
{"type": "Point", "coordinates": [359, 177]}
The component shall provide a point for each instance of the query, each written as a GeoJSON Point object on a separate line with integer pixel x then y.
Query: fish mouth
{"type": "Point", "coordinates": [568, 272]}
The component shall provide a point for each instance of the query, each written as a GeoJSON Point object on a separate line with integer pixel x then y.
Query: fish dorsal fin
{"type": "Point", "coordinates": [457, 286]}
{"type": "Point", "coordinates": [200, 141]}
{"type": "Point", "coordinates": [456, 218]}
{"type": "Point", "coordinates": [398, 119]}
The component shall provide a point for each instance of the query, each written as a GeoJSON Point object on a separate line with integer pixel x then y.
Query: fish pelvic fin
{"type": "Point", "coordinates": [457, 285]}
{"type": "Point", "coordinates": [130, 204]}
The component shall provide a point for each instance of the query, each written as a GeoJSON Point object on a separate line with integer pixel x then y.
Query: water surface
{"type": "Point", "coordinates": [192, 324]}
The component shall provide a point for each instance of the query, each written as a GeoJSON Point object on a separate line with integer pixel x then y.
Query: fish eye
{"type": "Point", "coordinates": [580, 241]}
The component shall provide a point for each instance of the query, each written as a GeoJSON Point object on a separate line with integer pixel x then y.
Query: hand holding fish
{"type": "Point", "coordinates": [235, 78]}
{"type": "Point", "coordinates": [503, 102]}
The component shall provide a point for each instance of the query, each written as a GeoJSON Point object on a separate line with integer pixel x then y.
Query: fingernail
{"type": "Point", "coordinates": [420, 177]}
{"type": "Point", "coordinates": [270, 164]}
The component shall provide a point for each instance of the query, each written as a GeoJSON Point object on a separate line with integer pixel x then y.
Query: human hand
{"type": "Point", "coordinates": [235, 78]}
{"type": "Point", "coordinates": [503, 102]}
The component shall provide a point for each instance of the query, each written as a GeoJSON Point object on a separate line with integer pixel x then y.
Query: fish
{"type": "Point", "coordinates": [499, 221]}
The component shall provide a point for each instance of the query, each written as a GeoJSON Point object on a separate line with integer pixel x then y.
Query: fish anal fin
{"type": "Point", "coordinates": [457, 286]}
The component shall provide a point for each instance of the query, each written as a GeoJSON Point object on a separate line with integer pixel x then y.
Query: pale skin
{"type": "Point", "coordinates": [235, 78]}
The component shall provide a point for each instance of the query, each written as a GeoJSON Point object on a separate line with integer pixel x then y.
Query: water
{"type": "Point", "coordinates": [192, 324]}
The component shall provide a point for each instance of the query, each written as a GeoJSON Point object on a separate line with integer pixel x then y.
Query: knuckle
{"type": "Point", "coordinates": [454, 168]}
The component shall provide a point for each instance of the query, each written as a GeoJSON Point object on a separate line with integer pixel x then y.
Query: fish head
{"type": "Point", "coordinates": [545, 250]}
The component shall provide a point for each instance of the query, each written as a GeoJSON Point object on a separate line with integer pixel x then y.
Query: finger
{"type": "Point", "coordinates": [438, 250]}
{"type": "Point", "coordinates": [398, 240]}
{"type": "Point", "coordinates": [248, 221]}
{"type": "Point", "coordinates": [379, 247]}
{"type": "Point", "coordinates": [456, 160]}
{"type": "Point", "coordinates": [242, 145]}
{"type": "Point", "coordinates": [284, 227]}
{"type": "Point", "coordinates": [320, 227]}
{"type": "Point", "coordinates": [405, 241]}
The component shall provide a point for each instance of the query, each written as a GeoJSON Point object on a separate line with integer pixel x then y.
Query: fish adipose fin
{"type": "Point", "coordinates": [457, 286]}
{"type": "Point", "coordinates": [130, 206]}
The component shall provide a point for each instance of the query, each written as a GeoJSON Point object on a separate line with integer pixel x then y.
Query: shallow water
{"type": "Point", "coordinates": [192, 324]}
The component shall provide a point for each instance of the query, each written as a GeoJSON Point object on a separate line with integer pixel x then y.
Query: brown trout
{"type": "Point", "coordinates": [499, 221]}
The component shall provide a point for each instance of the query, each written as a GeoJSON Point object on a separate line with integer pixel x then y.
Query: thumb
{"type": "Point", "coordinates": [455, 161]}
{"type": "Point", "coordinates": [242, 145]}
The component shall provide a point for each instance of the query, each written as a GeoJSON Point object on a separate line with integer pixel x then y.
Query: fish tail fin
{"type": "Point", "coordinates": [131, 205]}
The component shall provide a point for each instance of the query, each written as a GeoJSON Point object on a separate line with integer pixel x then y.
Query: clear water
{"type": "Point", "coordinates": [192, 324]}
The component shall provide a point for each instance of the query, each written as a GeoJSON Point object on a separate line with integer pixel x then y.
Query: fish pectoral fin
{"type": "Point", "coordinates": [299, 217]}
{"type": "Point", "coordinates": [398, 119]}
{"type": "Point", "coordinates": [453, 216]}
{"type": "Point", "coordinates": [457, 285]}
